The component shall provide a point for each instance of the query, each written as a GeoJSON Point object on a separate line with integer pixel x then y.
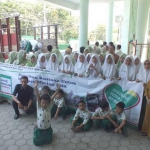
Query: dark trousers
{"type": "Point", "coordinates": [29, 111]}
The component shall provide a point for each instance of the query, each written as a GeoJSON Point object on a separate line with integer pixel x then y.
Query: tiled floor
{"type": "Point", "coordinates": [17, 135]}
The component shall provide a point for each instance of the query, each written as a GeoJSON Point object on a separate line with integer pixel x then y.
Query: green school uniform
{"type": "Point", "coordinates": [59, 55]}
{"type": "Point", "coordinates": [30, 63]}
{"type": "Point", "coordinates": [11, 57]}
{"type": "Point", "coordinates": [2, 58]}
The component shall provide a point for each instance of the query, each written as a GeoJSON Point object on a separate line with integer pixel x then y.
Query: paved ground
{"type": "Point", "coordinates": [17, 135]}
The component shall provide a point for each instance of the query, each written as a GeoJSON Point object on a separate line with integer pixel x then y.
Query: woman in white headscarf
{"type": "Point", "coordinates": [88, 57]}
{"type": "Point", "coordinates": [41, 62]}
{"type": "Point", "coordinates": [108, 68]}
{"type": "Point", "coordinates": [66, 65]}
{"type": "Point", "coordinates": [94, 67]}
{"type": "Point", "coordinates": [137, 63]}
{"type": "Point", "coordinates": [53, 64]}
{"type": "Point", "coordinates": [127, 69]}
{"type": "Point", "coordinates": [80, 66]}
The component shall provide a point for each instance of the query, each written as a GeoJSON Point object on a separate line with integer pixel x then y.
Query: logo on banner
{"type": "Point", "coordinates": [115, 94]}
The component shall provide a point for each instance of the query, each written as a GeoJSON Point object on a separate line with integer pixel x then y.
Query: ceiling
{"type": "Point", "coordinates": [74, 4]}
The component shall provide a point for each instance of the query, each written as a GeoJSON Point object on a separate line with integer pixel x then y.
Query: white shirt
{"type": "Point", "coordinates": [121, 116]}
{"type": "Point", "coordinates": [85, 115]}
{"type": "Point", "coordinates": [59, 102]}
{"type": "Point", "coordinates": [44, 116]}
{"type": "Point", "coordinates": [99, 113]}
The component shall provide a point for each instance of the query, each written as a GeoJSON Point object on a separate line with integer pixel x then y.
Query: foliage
{"type": "Point", "coordinates": [32, 13]}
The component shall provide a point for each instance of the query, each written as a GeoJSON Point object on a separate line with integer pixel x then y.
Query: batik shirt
{"type": "Point", "coordinates": [59, 102]}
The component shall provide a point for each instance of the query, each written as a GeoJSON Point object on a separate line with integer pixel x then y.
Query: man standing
{"type": "Point", "coordinates": [118, 51]}
{"type": "Point", "coordinates": [112, 51]}
{"type": "Point", "coordinates": [24, 99]}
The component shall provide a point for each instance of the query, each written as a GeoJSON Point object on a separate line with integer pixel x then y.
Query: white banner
{"type": "Point", "coordinates": [91, 90]}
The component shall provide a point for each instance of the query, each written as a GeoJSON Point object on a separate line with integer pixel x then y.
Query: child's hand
{"type": "Point", "coordinates": [118, 78]}
{"type": "Point", "coordinates": [36, 84]}
{"type": "Point", "coordinates": [80, 75]}
{"type": "Point", "coordinates": [137, 80]}
{"type": "Point", "coordinates": [116, 130]}
{"type": "Point", "coordinates": [63, 71]}
{"type": "Point", "coordinates": [103, 77]}
{"type": "Point", "coordinates": [116, 124]}
{"type": "Point", "coordinates": [58, 86]}
{"type": "Point", "coordinates": [77, 129]}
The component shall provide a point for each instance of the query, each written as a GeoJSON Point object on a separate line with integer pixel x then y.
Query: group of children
{"type": "Point", "coordinates": [50, 105]}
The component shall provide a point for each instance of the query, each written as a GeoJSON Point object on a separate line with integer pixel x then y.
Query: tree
{"type": "Point", "coordinates": [98, 34]}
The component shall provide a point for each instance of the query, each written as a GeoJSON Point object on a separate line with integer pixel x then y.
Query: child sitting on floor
{"type": "Point", "coordinates": [59, 106]}
{"type": "Point", "coordinates": [120, 124]}
{"type": "Point", "coordinates": [81, 120]}
{"type": "Point", "coordinates": [99, 117]}
{"type": "Point", "coordinates": [43, 133]}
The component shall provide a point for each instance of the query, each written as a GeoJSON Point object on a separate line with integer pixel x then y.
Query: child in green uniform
{"type": "Point", "coordinates": [99, 117]}
{"type": "Point", "coordinates": [120, 124]}
{"type": "Point", "coordinates": [2, 58]}
{"type": "Point", "coordinates": [59, 106]}
{"type": "Point", "coordinates": [32, 61]}
{"type": "Point", "coordinates": [81, 120]}
{"type": "Point", "coordinates": [43, 133]}
{"type": "Point", "coordinates": [12, 56]}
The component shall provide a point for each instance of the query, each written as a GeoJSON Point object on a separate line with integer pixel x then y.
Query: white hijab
{"type": "Point", "coordinates": [127, 72]}
{"type": "Point", "coordinates": [109, 70]}
{"type": "Point", "coordinates": [40, 64]}
{"type": "Point", "coordinates": [67, 67]}
{"type": "Point", "coordinates": [143, 74]}
{"type": "Point", "coordinates": [53, 65]}
{"type": "Point", "coordinates": [80, 67]}
{"type": "Point", "coordinates": [92, 72]}
{"type": "Point", "coordinates": [137, 68]}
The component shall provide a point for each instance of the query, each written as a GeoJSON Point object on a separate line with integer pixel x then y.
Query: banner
{"type": "Point", "coordinates": [91, 90]}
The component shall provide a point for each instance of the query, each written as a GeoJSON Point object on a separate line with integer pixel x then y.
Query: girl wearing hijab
{"type": "Point", "coordinates": [102, 58]}
{"type": "Point", "coordinates": [121, 60]}
{"type": "Point", "coordinates": [21, 58]}
{"type": "Point", "coordinates": [108, 68]}
{"type": "Point", "coordinates": [53, 64]}
{"type": "Point", "coordinates": [59, 55]}
{"type": "Point", "coordinates": [41, 62]}
{"type": "Point", "coordinates": [80, 66]}
{"type": "Point", "coordinates": [32, 61]}
{"type": "Point", "coordinates": [93, 69]}
{"type": "Point", "coordinates": [86, 51]}
{"type": "Point", "coordinates": [137, 63]}
{"type": "Point", "coordinates": [75, 58]}
{"type": "Point", "coordinates": [66, 65]}
{"type": "Point", "coordinates": [144, 77]}
{"type": "Point", "coordinates": [127, 69]}
{"type": "Point", "coordinates": [11, 57]}
{"type": "Point", "coordinates": [88, 57]}
{"type": "Point", "coordinates": [2, 58]}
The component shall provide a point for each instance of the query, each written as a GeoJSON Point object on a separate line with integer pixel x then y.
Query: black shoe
{"type": "Point", "coordinates": [144, 134]}
{"type": "Point", "coordinates": [16, 116]}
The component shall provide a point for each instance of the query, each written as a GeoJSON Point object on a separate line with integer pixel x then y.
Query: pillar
{"type": "Point", "coordinates": [142, 20]}
{"type": "Point", "coordinates": [129, 23]}
{"type": "Point", "coordinates": [83, 28]}
{"type": "Point", "coordinates": [109, 27]}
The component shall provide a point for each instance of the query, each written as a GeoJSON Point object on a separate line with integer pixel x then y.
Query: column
{"type": "Point", "coordinates": [83, 28]}
{"type": "Point", "coordinates": [142, 20]}
{"type": "Point", "coordinates": [129, 23]}
{"type": "Point", "coordinates": [109, 27]}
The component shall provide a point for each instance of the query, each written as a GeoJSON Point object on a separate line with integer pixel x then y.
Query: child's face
{"type": "Point", "coordinates": [42, 59]}
{"type": "Point", "coordinates": [81, 58]}
{"type": "Point", "coordinates": [118, 110]}
{"type": "Point", "coordinates": [109, 60]}
{"type": "Point", "coordinates": [137, 61]}
{"type": "Point", "coordinates": [66, 60]}
{"type": "Point", "coordinates": [128, 61]}
{"type": "Point", "coordinates": [59, 95]}
{"type": "Point", "coordinates": [122, 59]}
{"type": "Point", "coordinates": [94, 60]}
{"type": "Point", "coordinates": [76, 57]}
{"type": "Point", "coordinates": [81, 106]}
{"type": "Point", "coordinates": [33, 59]}
{"type": "Point", "coordinates": [44, 104]}
{"type": "Point", "coordinates": [53, 59]}
{"type": "Point", "coordinates": [101, 58]}
{"type": "Point", "coordinates": [24, 82]}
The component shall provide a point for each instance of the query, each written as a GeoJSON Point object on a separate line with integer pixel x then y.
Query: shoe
{"type": "Point", "coordinates": [144, 134]}
{"type": "Point", "coordinates": [16, 116]}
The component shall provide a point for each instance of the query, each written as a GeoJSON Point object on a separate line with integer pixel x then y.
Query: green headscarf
{"type": "Point", "coordinates": [59, 55]}
{"type": "Point", "coordinates": [20, 58]}
{"type": "Point", "coordinates": [11, 57]}
{"type": "Point", "coordinates": [2, 58]}
{"type": "Point", "coordinates": [103, 54]}
{"type": "Point", "coordinates": [30, 63]}
{"type": "Point", "coordinates": [119, 62]}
